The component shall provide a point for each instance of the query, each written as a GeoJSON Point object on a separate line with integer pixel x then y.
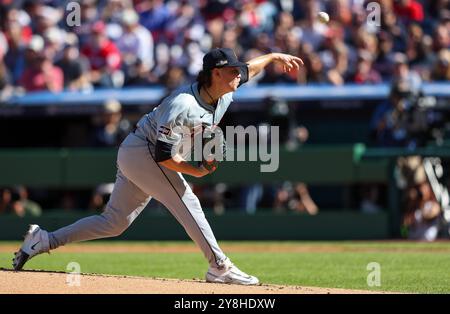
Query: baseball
{"type": "Point", "coordinates": [323, 17]}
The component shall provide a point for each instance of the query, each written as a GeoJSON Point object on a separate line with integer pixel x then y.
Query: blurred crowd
{"type": "Point", "coordinates": [15, 201]}
{"type": "Point", "coordinates": [143, 42]}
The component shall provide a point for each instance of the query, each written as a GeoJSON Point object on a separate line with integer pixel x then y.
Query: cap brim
{"type": "Point", "coordinates": [235, 64]}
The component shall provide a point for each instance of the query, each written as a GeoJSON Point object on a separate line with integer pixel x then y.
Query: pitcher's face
{"type": "Point", "coordinates": [229, 78]}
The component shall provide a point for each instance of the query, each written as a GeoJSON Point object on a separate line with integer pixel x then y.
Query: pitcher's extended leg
{"type": "Point", "coordinates": [125, 204]}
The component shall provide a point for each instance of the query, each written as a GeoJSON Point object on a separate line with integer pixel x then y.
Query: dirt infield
{"type": "Point", "coordinates": [55, 282]}
{"type": "Point", "coordinates": [32, 282]}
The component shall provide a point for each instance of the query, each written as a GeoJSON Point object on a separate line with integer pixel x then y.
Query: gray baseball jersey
{"type": "Point", "coordinates": [140, 177]}
{"type": "Point", "coordinates": [183, 108]}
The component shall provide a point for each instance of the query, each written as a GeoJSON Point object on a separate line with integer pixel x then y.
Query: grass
{"type": "Point", "coordinates": [405, 266]}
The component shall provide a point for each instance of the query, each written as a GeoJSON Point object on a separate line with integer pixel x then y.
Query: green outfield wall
{"type": "Point", "coordinates": [84, 168]}
{"type": "Point", "coordinates": [333, 225]}
{"type": "Point", "coordinates": [331, 164]}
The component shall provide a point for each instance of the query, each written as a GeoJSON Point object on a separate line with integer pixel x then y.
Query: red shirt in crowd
{"type": "Point", "coordinates": [107, 56]}
{"type": "Point", "coordinates": [37, 80]}
{"type": "Point", "coordinates": [412, 11]}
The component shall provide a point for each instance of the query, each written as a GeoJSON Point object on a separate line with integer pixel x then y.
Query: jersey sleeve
{"type": "Point", "coordinates": [173, 124]}
{"type": "Point", "coordinates": [244, 75]}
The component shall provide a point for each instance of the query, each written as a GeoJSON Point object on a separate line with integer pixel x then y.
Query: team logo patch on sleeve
{"type": "Point", "coordinates": [164, 130]}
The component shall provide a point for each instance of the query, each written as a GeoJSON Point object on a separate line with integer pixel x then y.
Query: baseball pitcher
{"type": "Point", "coordinates": [148, 168]}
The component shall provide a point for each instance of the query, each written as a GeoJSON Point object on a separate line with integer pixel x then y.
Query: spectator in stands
{"type": "Point", "coordinates": [364, 73]}
{"type": "Point", "coordinates": [419, 51]}
{"type": "Point", "coordinates": [282, 196]}
{"type": "Point", "coordinates": [21, 205]}
{"type": "Point", "coordinates": [293, 42]}
{"type": "Point", "coordinates": [294, 8]}
{"type": "Point", "coordinates": [54, 39]}
{"type": "Point", "coordinates": [31, 10]}
{"type": "Point", "coordinates": [75, 67]}
{"type": "Point", "coordinates": [370, 199]}
{"type": "Point", "coordinates": [162, 61]}
{"type": "Point", "coordinates": [421, 210]}
{"type": "Point", "coordinates": [390, 122]}
{"type": "Point", "coordinates": [215, 28]}
{"type": "Point", "coordinates": [88, 17]}
{"type": "Point", "coordinates": [5, 201]}
{"type": "Point", "coordinates": [303, 202]}
{"type": "Point", "coordinates": [155, 16]}
{"type": "Point", "coordinates": [230, 39]}
{"type": "Point", "coordinates": [334, 56]}
{"type": "Point", "coordinates": [135, 46]}
{"type": "Point", "coordinates": [402, 72]}
{"type": "Point", "coordinates": [364, 41]}
{"type": "Point", "coordinates": [6, 87]}
{"type": "Point", "coordinates": [113, 11]}
{"type": "Point", "coordinates": [336, 67]}
{"type": "Point", "coordinates": [294, 197]}
{"type": "Point", "coordinates": [100, 197]}
{"type": "Point", "coordinates": [104, 58]}
{"type": "Point", "coordinates": [441, 36]}
{"type": "Point", "coordinates": [315, 72]}
{"type": "Point", "coordinates": [438, 9]}
{"type": "Point", "coordinates": [173, 78]}
{"type": "Point", "coordinates": [341, 12]}
{"type": "Point", "coordinates": [441, 68]}
{"type": "Point", "coordinates": [391, 24]}
{"type": "Point", "coordinates": [409, 10]}
{"type": "Point", "coordinates": [215, 10]}
{"type": "Point", "coordinates": [18, 35]}
{"type": "Point", "coordinates": [385, 56]}
{"type": "Point", "coordinates": [263, 43]}
{"type": "Point", "coordinates": [414, 43]}
{"type": "Point", "coordinates": [186, 24]}
{"type": "Point", "coordinates": [312, 31]}
{"type": "Point", "coordinates": [41, 74]}
{"type": "Point", "coordinates": [138, 75]}
{"type": "Point", "coordinates": [111, 129]}
{"type": "Point", "coordinates": [193, 54]}
{"type": "Point", "coordinates": [250, 197]}
{"type": "Point", "coordinates": [251, 18]}
{"type": "Point", "coordinates": [213, 196]}
{"type": "Point", "coordinates": [298, 136]}
{"type": "Point", "coordinates": [45, 19]}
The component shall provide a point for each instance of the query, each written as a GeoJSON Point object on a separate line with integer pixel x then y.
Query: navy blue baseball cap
{"type": "Point", "coordinates": [221, 57]}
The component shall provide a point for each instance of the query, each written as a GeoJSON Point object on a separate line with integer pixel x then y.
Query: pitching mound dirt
{"type": "Point", "coordinates": [52, 282]}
